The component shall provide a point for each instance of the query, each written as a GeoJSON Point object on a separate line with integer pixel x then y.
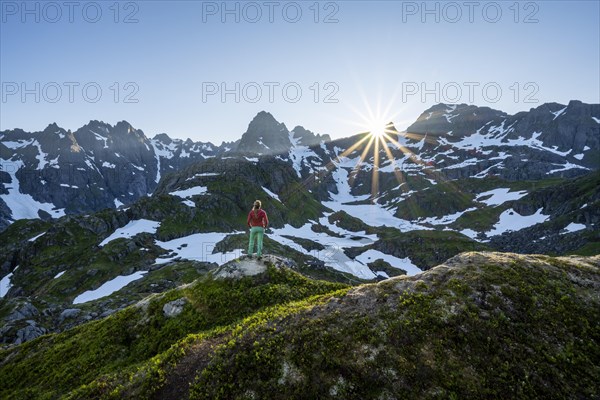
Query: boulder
{"type": "Point", "coordinates": [69, 313]}
{"type": "Point", "coordinates": [26, 310]}
{"type": "Point", "coordinates": [174, 308]}
{"type": "Point", "coordinates": [29, 332]}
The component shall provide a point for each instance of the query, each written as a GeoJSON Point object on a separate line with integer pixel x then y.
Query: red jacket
{"type": "Point", "coordinates": [260, 219]}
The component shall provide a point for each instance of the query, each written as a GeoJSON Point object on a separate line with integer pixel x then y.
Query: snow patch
{"type": "Point", "coordinates": [299, 154]}
{"type": "Point", "coordinates": [469, 233]}
{"type": "Point", "coordinates": [199, 247]}
{"type": "Point", "coordinates": [566, 166]}
{"type": "Point", "coordinates": [189, 203]}
{"type": "Point", "coordinates": [558, 113]}
{"type": "Point", "coordinates": [273, 195]}
{"type": "Point", "coordinates": [21, 205]}
{"type": "Point", "coordinates": [33, 239]}
{"type": "Point", "coordinates": [109, 287]}
{"type": "Point", "coordinates": [403, 263]}
{"type": "Point", "coordinates": [573, 227]}
{"type": "Point", "coordinates": [6, 284]}
{"type": "Point", "coordinates": [203, 174]}
{"type": "Point", "coordinates": [500, 196]}
{"type": "Point", "coordinates": [510, 220]}
{"type": "Point", "coordinates": [445, 220]}
{"type": "Point", "coordinates": [131, 229]}
{"type": "Point", "coordinates": [193, 191]}
{"type": "Point", "coordinates": [100, 138]}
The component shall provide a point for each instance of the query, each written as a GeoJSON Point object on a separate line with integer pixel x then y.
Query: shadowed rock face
{"type": "Point", "coordinates": [96, 167]}
{"type": "Point", "coordinates": [265, 136]}
{"type": "Point", "coordinates": [572, 130]}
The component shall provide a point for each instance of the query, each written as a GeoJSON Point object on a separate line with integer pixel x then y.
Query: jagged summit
{"type": "Point", "coordinates": [308, 138]}
{"type": "Point", "coordinates": [162, 137]}
{"type": "Point", "coordinates": [265, 135]}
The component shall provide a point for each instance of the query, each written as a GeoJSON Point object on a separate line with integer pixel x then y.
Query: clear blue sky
{"type": "Point", "coordinates": [376, 53]}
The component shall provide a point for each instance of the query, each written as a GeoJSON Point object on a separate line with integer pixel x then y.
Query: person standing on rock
{"type": "Point", "coordinates": [257, 221]}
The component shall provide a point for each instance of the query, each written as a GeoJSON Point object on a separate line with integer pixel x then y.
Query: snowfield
{"type": "Point", "coordinates": [333, 253]}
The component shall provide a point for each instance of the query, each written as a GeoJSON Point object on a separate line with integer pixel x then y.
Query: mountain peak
{"type": "Point", "coordinates": [52, 127]}
{"type": "Point", "coordinates": [264, 114]}
{"type": "Point", "coordinates": [124, 125]}
{"type": "Point", "coordinates": [265, 135]}
{"type": "Point", "coordinates": [163, 138]}
{"type": "Point", "coordinates": [308, 138]}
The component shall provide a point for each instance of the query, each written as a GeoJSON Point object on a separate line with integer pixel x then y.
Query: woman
{"type": "Point", "coordinates": [257, 221]}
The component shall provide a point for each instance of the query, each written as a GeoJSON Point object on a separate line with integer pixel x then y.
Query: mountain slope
{"type": "Point", "coordinates": [55, 276]}
{"type": "Point", "coordinates": [480, 325]}
{"type": "Point", "coordinates": [55, 172]}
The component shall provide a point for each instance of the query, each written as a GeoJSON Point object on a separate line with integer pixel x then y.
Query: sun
{"type": "Point", "coordinates": [377, 128]}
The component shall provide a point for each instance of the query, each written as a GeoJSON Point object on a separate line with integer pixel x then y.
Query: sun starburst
{"type": "Point", "coordinates": [377, 142]}
{"type": "Point", "coordinates": [377, 138]}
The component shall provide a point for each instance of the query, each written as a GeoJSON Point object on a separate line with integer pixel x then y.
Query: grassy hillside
{"type": "Point", "coordinates": [54, 365]}
{"type": "Point", "coordinates": [481, 325]}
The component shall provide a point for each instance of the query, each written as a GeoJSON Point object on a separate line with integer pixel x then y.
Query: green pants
{"type": "Point", "coordinates": [256, 232]}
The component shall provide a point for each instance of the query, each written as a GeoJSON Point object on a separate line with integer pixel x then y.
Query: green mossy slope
{"type": "Point", "coordinates": [480, 326]}
{"type": "Point", "coordinates": [484, 325]}
{"type": "Point", "coordinates": [54, 365]}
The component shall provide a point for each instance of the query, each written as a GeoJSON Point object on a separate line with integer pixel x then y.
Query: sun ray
{"type": "Point", "coordinates": [375, 178]}
{"type": "Point", "coordinates": [330, 165]}
{"type": "Point", "coordinates": [397, 171]}
{"type": "Point", "coordinates": [356, 168]}
{"type": "Point", "coordinates": [434, 173]}
{"type": "Point", "coordinates": [404, 150]}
